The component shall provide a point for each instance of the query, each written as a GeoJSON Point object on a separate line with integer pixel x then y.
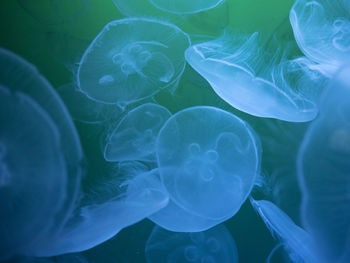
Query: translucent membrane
{"type": "Point", "coordinates": [324, 168]}
{"type": "Point", "coordinates": [214, 245]}
{"type": "Point", "coordinates": [256, 81]}
{"type": "Point", "coordinates": [131, 59]}
{"type": "Point", "coordinates": [135, 136]}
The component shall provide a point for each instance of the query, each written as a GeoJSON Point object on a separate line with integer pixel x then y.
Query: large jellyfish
{"type": "Point", "coordinates": [255, 81]}
{"type": "Point", "coordinates": [32, 173]}
{"type": "Point", "coordinates": [296, 241]}
{"type": "Point", "coordinates": [132, 59]}
{"type": "Point", "coordinates": [322, 31]}
{"type": "Point", "coordinates": [131, 193]}
{"type": "Point", "coordinates": [324, 169]}
{"type": "Point", "coordinates": [135, 136]}
{"type": "Point", "coordinates": [19, 76]}
{"type": "Point", "coordinates": [214, 245]}
{"type": "Point", "coordinates": [206, 156]}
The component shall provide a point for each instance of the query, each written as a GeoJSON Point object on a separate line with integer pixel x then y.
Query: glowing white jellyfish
{"type": "Point", "coordinates": [209, 151]}
{"type": "Point", "coordinates": [253, 81]}
{"type": "Point", "coordinates": [214, 245]}
{"type": "Point", "coordinates": [322, 31]}
{"type": "Point", "coordinates": [135, 136]}
{"type": "Point", "coordinates": [324, 168]}
{"type": "Point", "coordinates": [131, 59]}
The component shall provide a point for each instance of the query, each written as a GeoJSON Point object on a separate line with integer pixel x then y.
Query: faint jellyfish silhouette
{"type": "Point", "coordinates": [269, 86]}
{"type": "Point", "coordinates": [323, 172]}
{"type": "Point", "coordinates": [210, 151]}
{"type": "Point", "coordinates": [20, 76]}
{"type": "Point", "coordinates": [135, 135]}
{"type": "Point", "coordinates": [185, 7]}
{"type": "Point", "coordinates": [132, 59]}
{"type": "Point", "coordinates": [85, 110]}
{"type": "Point", "coordinates": [214, 245]}
{"type": "Point", "coordinates": [296, 241]}
{"type": "Point", "coordinates": [55, 12]}
{"type": "Point", "coordinates": [31, 165]}
{"type": "Point", "coordinates": [322, 31]}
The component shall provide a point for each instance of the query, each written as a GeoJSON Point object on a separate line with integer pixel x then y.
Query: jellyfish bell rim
{"type": "Point", "coordinates": [125, 21]}
{"type": "Point", "coordinates": [253, 138]}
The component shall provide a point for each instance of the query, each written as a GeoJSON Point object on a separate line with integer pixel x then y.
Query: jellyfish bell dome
{"type": "Point", "coordinates": [132, 59]}
{"type": "Point", "coordinates": [207, 156]}
{"type": "Point", "coordinates": [33, 173]}
{"type": "Point", "coordinates": [135, 136]}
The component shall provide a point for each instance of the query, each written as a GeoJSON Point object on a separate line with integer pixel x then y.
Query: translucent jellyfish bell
{"type": "Point", "coordinates": [323, 170]}
{"type": "Point", "coordinates": [322, 31]}
{"type": "Point", "coordinates": [212, 152]}
{"type": "Point", "coordinates": [131, 59]}
{"type": "Point", "coordinates": [296, 240]}
{"type": "Point", "coordinates": [251, 80]}
{"type": "Point", "coordinates": [32, 173]}
{"type": "Point", "coordinates": [185, 7]}
{"type": "Point", "coordinates": [214, 245]}
{"type": "Point", "coordinates": [135, 136]}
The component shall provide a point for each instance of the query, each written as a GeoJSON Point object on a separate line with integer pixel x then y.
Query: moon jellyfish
{"type": "Point", "coordinates": [254, 81]}
{"type": "Point", "coordinates": [85, 110]}
{"type": "Point", "coordinates": [322, 31]}
{"type": "Point", "coordinates": [20, 76]}
{"type": "Point", "coordinates": [208, 151]}
{"type": "Point", "coordinates": [185, 7]}
{"type": "Point", "coordinates": [135, 136]}
{"type": "Point", "coordinates": [214, 245]}
{"type": "Point", "coordinates": [132, 59]}
{"type": "Point", "coordinates": [32, 173]}
{"type": "Point", "coordinates": [115, 205]}
{"type": "Point", "coordinates": [324, 168]}
{"type": "Point", "coordinates": [296, 240]}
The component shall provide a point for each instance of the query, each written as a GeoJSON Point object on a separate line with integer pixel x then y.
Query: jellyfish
{"type": "Point", "coordinates": [132, 59]}
{"type": "Point", "coordinates": [85, 110]}
{"type": "Point", "coordinates": [135, 135]}
{"type": "Point", "coordinates": [323, 173]}
{"type": "Point", "coordinates": [214, 245]}
{"type": "Point", "coordinates": [115, 204]}
{"type": "Point", "coordinates": [255, 81]}
{"type": "Point", "coordinates": [322, 31]}
{"type": "Point", "coordinates": [185, 7]}
{"type": "Point", "coordinates": [209, 151]}
{"type": "Point", "coordinates": [20, 76]}
{"type": "Point", "coordinates": [55, 12]}
{"type": "Point", "coordinates": [32, 173]}
{"type": "Point", "coordinates": [297, 242]}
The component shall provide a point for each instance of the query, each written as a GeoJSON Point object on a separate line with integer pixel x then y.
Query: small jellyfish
{"type": "Point", "coordinates": [214, 245]}
{"type": "Point", "coordinates": [32, 173]}
{"type": "Point", "coordinates": [135, 136]}
{"type": "Point", "coordinates": [297, 242]}
{"type": "Point", "coordinates": [185, 7]}
{"type": "Point", "coordinates": [212, 152]}
{"type": "Point", "coordinates": [322, 31]}
{"type": "Point", "coordinates": [323, 173]}
{"type": "Point", "coordinates": [253, 80]}
{"type": "Point", "coordinates": [132, 59]}
{"type": "Point", "coordinates": [85, 110]}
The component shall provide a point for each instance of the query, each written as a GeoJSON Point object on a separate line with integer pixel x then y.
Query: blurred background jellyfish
{"type": "Point", "coordinates": [324, 169]}
{"type": "Point", "coordinates": [257, 81]}
{"type": "Point", "coordinates": [132, 59]}
{"type": "Point", "coordinates": [296, 241]}
{"type": "Point", "coordinates": [214, 245]}
{"type": "Point", "coordinates": [20, 77]}
{"type": "Point", "coordinates": [322, 31]}
{"type": "Point", "coordinates": [209, 151]}
{"type": "Point", "coordinates": [185, 7]}
{"type": "Point", "coordinates": [135, 135]}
